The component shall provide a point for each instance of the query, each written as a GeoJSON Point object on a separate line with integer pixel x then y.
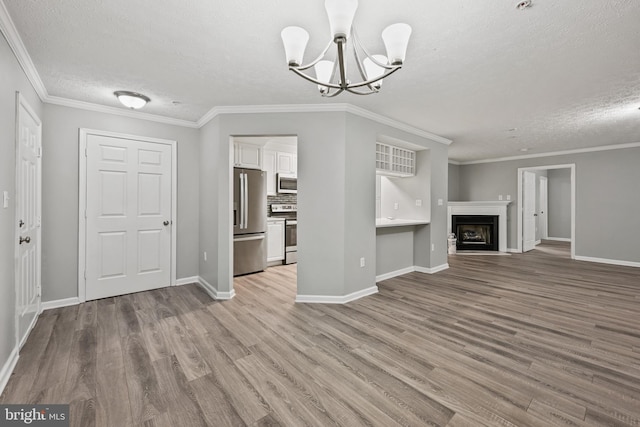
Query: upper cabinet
{"type": "Point", "coordinates": [286, 163]}
{"type": "Point", "coordinates": [395, 161]}
{"type": "Point", "coordinates": [275, 162]}
{"type": "Point", "coordinates": [247, 155]}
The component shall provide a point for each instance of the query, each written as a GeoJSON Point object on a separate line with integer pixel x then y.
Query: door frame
{"type": "Point", "coordinates": [22, 102]}
{"type": "Point", "coordinates": [572, 167]}
{"type": "Point", "coordinates": [543, 219]}
{"type": "Point", "coordinates": [82, 202]}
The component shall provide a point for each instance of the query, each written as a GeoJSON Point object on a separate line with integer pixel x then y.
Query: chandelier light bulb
{"type": "Point", "coordinates": [396, 39]}
{"type": "Point", "coordinates": [295, 42]}
{"type": "Point", "coordinates": [373, 70]}
{"type": "Point", "coordinates": [323, 73]}
{"type": "Point", "coordinates": [341, 13]}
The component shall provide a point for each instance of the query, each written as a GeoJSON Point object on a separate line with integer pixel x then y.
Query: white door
{"type": "Point", "coordinates": [529, 211]}
{"type": "Point", "coordinates": [128, 216]}
{"type": "Point", "coordinates": [542, 216]}
{"type": "Point", "coordinates": [28, 183]}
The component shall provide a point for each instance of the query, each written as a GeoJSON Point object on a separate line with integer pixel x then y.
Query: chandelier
{"type": "Point", "coordinates": [331, 76]}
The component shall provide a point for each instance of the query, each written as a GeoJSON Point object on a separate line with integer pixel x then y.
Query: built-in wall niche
{"type": "Point", "coordinates": [406, 196]}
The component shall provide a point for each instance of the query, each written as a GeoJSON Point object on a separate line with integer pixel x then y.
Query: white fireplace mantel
{"type": "Point", "coordinates": [498, 208]}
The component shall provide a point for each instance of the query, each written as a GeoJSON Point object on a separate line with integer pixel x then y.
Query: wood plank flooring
{"type": "Point", "coordinates": [523, 340]}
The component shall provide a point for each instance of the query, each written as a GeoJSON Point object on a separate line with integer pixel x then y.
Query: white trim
{"type": "Point", "coordinates": [9, 366]}
{"type": "Point", "coordinates": [58, 303]}
{"type": "Point", "coordinates": [213, 292]}
{"type": "Point", "coordinates": [608, 261]}
{"type": "Point", "coordinates": [187, 281]}
{"type": "Point", "coordinates": [432, 270]}
{"type": "Point", "coordinates": [82, 200]}
{"type": "Point", "coordinates": [454, 162]}
{"type": "Point", "coordinates": [396, 273]}
{"type": "Point", "coordinates": [572, 167]}
{"type": "Point", "coordinates": [336, 299]}
{"type": "Point", "coordinates": [558, 239]}
{"type": "Point", "coordinates": [537, 242]}
{"type": "Point", "coordinates": [553, 153]}
{"type": "Point", "coordinates": [89, 106]}
{"type": "Point", "coordinates": [8, 28]}
{"type": "Point", "coordinates": [514, 250]}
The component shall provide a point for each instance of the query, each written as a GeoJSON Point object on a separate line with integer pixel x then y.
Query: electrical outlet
{"type": "Point", "coordinates": [418, 202]}
{"type": "Point", "coordinates": [395, 206]}
{"type": "Point", "coordinates": [500, 197]}
{"type": "Point", "coordinates": [205, 255]}
{"type": "Point", "coordinates": [362, 262]}
{"type": "Point", "coordinates": [433, 247]}
{"type": "Point", "coordinates": [440, 202]}
{"type": "Point", "coordinates": [508, 196]}
{"type": "Point", "coordinates": [5, 199]}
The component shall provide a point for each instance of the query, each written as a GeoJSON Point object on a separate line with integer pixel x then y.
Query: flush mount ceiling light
{"type": "Point", "coordinates": [131, 100]}
{"type": "Point", "coordinates": [331, 75]}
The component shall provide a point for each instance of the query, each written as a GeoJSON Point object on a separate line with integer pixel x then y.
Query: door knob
{"type": "Point", "coordinates": [21, 223]}
{"type": "Point", "coordinates": [166, 223]}
{"type": "Point", "coordinates": [25, 239]}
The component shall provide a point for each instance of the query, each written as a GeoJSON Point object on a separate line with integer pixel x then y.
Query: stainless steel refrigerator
{"type": "Point", "coordinates": [249, 221]}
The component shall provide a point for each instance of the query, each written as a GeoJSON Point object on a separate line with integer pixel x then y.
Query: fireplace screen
{"type": "Point", "coordinates": [476, 232]}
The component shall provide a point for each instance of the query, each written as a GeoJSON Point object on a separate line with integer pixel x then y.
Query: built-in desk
{"type": "Point", "coordinates": [395, 246]}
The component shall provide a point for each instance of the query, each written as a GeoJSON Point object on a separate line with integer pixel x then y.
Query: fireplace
{"type": "Point", "coordinates": [475, 232]}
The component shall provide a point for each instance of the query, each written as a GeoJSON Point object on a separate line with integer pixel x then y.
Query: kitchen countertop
{"type": "Point", "coordinates": [398, 222]}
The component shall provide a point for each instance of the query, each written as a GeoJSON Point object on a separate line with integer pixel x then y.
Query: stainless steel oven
{"type": "Point", "coordinates": [290, 241]}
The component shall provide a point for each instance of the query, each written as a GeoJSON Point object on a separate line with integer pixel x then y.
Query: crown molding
{"type": "Point", "coordinates": [454, 162]}
{"type": "Point", "coordinates": [20, 51]}
{"type": "Point", "coordinates": [320, 108]}
{"type": "Point", "coordinates": [65, 102]}
{"type": "Point", "coordinates": [550, 154]}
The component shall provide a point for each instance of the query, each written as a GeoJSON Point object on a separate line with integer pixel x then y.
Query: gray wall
{"type": "Point", "coordinates": [559, 203]}
{"type": "Point", "coordinates": [336, 199]}
{"type": "Point", "coordinates": [454, 182]}
{"type": "Point", "coordinates": [12, 79]}
{"type": "Point", "coordinates": [606, 184]}
{"type": "Point", "coordinates": [60, 192]}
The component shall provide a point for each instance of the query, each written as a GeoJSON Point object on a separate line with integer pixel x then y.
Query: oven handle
{"type": "Point", "coordinates": [294, 222]}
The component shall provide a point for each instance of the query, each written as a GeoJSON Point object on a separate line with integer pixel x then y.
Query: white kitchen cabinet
{"type": "Point", "coordinates": [269, 165]}
{"type": "Point", "coordinates": [247, 155]}
{"type": "Point", "coordinates": [286, 163]}
{"type": "Point", "coordinates": [275, 240]}
{"type": "Point", "coordinates": [395, 161]}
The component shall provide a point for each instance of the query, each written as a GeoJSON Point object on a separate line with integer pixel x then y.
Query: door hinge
{"type": "Point", "coordinates": [39, 152]}
{"type": "Point", "coordinates": [85, 213]}
{"type": "Point", "coordinates": [85, 275]}
{"type": "Point", "coordinates": [39, 290]}
{"type": "Point", "coordinates": [85, 151]}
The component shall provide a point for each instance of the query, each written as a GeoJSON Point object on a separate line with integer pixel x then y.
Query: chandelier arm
{"type": "Point", "coordinates": [315, 61]}
{"type": "Point", "coordinates": [312, 80]}
{"type": "Point", "coordinates": [356, 92]}
{"type": "Point", "coordinates": [331, 95]}
{"type": "Point", "coordinates": [356, 42]}
{"type": "Point", "coordinates": [369, 82]}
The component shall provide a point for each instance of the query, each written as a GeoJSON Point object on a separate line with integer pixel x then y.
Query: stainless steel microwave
{"type": "Point", "coordinates": [287, 183]}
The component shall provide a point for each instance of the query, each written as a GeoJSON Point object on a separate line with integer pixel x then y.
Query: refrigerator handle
{"type": "Point", "coordinates": [246, 201]}
{"type": "Point", "coordinates": [241, 201]}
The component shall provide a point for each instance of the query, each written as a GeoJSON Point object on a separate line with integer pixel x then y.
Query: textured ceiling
{"type": "Point", "coordinates": [563, 74]}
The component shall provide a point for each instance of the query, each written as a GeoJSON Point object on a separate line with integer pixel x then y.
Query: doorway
{"type": "Point", "coordinates": [532, 193]}
{"type": "Point", "coordinates": [28, 218]}
{"type": "Point", "coordinates": [127, 232]}
{"type": "Point", "coordinates": [264, 242]}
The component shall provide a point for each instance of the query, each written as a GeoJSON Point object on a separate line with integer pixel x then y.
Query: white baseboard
{"type": "Point", "coordinates": [608, 261]}
{"type": "Point", "coordinates": [432, 270]}
{"type": "Point", "coordinates": [514, 250]}
{"type": "Point", "coordinates": [330, 299]}
{"type": "Point", "coordinates": [537, 242]}
{"type": "Point", "coordinates": [558, 239]}
{"type": "Point", "coordinates": [396, 273]}
{"type": "Point", "coordinates": [213, 292]}
{"type": "Point", "coordinates": [7, 368]}
{"type": "Point", "coordinates": [187, 280]}
{"type": "Point", "coordinates": [58, 303]}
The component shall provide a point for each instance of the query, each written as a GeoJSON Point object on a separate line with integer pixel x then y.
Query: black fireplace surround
{"type": "Point", "coordinates": [475, 232]}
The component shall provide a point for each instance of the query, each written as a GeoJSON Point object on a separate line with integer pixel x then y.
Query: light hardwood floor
{"type": "Point", "coordinates": [522, 340]}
